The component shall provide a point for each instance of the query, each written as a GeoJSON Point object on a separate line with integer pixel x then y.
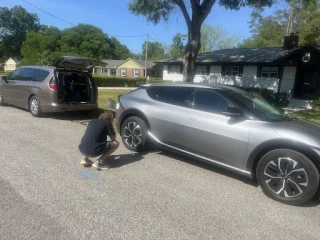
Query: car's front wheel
{"type": "Point", "coordinates": [288, 176]}
{"type": "Point", "coordinates": [134, 134]}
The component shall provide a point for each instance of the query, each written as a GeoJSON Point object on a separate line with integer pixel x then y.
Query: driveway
{"type": "Point", "coordinates": [46, 194]}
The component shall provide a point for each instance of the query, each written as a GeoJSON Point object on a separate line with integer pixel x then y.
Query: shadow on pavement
{"type": "Point", "coordinates": [120, 160]}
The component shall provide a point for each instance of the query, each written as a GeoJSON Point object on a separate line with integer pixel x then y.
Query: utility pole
{"type": "Point", "coordinates": [146, 61]}
{"type": "Point", "coordinates": [290, 20]}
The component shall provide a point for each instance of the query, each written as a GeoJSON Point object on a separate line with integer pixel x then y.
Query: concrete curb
{"type": "Point", "coordinates": [116, 88]}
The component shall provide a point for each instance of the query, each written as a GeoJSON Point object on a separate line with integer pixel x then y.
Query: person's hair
{"type": "Point", "coordinates": [108, 116]}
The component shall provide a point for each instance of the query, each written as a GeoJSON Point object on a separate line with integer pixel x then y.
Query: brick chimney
{"type": "Point", "coordinates": [291, 41]}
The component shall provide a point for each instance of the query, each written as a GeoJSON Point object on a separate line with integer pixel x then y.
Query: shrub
{"type": "Point", "coordinates": [107, 81]}
{"type": "Point", "coordinates": [276, 99]}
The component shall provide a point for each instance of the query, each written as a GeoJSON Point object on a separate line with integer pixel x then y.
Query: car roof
{"type": "Point", "coordinates": [197, 85]}
{"type": "Point", "coordinates": [50, 68]}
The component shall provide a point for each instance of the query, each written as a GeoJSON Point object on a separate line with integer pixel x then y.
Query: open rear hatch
{"type": "Point", "coordinates": [75, 84]}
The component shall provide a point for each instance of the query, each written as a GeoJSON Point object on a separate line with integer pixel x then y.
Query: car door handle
{"type": "Point", "coordinates": [192, 118]}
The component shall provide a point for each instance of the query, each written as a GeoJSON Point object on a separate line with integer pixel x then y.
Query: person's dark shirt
{"type": "Point", "coordinates": [96, 136]}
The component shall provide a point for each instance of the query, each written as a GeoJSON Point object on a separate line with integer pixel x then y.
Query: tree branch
{"type": "Point", "coordinates": [206, 7]}
{"type": "Point", "coordinates": [183, 8]}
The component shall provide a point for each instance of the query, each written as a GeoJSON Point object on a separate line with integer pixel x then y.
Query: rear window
{"type": "Point", "coordinates": [40, 75]}
{"type": "Point", "coordinates": [180, 96]}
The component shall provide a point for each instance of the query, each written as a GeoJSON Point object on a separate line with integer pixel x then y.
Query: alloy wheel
{"type": "Point", "coordinates": [286, 177]}
{"type": "Point", "coordinates": [34, 106]}
{"type": "Point", "coordinates": [132, 134]}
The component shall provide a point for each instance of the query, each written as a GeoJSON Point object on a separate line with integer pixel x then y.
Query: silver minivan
{"type": "Point", "coordinates": [66, 86]}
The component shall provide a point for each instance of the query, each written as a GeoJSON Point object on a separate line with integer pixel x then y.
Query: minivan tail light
{"type": "Point", "coordinates": [53, 83]}
{"type": "Point", "coordinates": [53, 86]}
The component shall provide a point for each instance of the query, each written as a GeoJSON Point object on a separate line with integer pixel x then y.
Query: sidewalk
{"type": "Point", "coordinates": [117, 88]}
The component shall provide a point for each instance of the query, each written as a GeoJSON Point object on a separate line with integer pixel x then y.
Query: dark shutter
{"type": "Point", "coordinates": [240, 70]}
{"type": "Point", "coordinates": [223, 70]}
{"type": "Point", "coordinates": [259, 71]}
{"type": "Point", "coordinates": [181, 69]}
{"type": "Point", "coordinates": [208, 70]}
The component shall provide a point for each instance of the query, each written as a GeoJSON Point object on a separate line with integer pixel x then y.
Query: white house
{"type": "Point", "coordinates": [10, 65]}
{"type": "Point", "coordinates": [282, 69]}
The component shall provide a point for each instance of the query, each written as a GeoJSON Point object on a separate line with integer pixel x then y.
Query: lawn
{"type": "Point", "coordinates": [310, 115]}
{"type": "Point", "coordinates": [104, 95]}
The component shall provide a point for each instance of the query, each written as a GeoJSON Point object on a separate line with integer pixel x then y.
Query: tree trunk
{"type": "Point", "coordinates": [191, 52]}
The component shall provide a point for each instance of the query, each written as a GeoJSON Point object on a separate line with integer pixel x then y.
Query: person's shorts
{"type": "Point", "coordinates": [102, 150]}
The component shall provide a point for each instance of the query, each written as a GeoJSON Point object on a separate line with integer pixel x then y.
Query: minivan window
{"type": "Point", "coordinates": [41, 75]}
{"type": "Point", "coordinates": [180, 96]}
{"type": "Point", "coordinates": [27, 74]}
{"type": "Point", "coordinates": [209, 101]}
{"type": "Point", "coordinates": [15, 75]}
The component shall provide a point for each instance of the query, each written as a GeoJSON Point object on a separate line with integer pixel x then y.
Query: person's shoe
{"type": "Point", "coordinates": [86, 161]}
{"type": "Point", "coordinates": [101, 165]}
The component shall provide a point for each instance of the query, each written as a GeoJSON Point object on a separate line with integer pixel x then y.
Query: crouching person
{"type": "Point", "coordinates": [94, 141]}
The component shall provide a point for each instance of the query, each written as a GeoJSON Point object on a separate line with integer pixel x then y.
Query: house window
{"type": "Point", "coordinates": [174, 69]}
{"type": "Point", "coordinates": [123, 72]}
{"type": "Point", "coordinates": [231, 71]}
{"type": "Point", "coordinates": [113, 72]}
{"type": "Point", "coordinates": [136, 73]}
{"type": "Point", "coordinates": [201, 70]}
{"type": "Point", "coordinates": [269, 72]}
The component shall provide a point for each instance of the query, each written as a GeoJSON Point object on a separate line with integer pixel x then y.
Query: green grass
{"type": "Point", "coordinates": [104, 95]}
{"type": "Point", "coordinates": [312, 115]}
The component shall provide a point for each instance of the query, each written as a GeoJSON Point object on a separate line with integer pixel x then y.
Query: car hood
{"type": "Point", "coordinates": [300, 130]}
{"type": "Point", "coordinates": [78, 63]}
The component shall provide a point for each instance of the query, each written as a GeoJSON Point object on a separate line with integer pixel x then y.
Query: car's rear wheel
{"type": "Point", "coordinates": [134, 134]}
{"type": "Point", "coordinates": [1, 100]}
{"type": "Point", "coordinates": [34, 107]}
{"type": "Point", "coordinates": [288, 176]}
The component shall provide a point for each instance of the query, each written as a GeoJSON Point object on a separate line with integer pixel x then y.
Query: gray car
{"type": "Point", "coordinates": [227, 127]}
{"type": "Point", "coordinates": [66, 86]}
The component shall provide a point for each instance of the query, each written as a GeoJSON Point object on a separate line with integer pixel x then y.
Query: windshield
{"type": "Point", "coordinates": [258, 105]}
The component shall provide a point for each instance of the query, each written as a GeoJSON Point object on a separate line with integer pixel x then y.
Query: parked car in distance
{"type": "Point", "coordinates": [227, 127]}
{"type": "Point", "coordinates": [66, 86]}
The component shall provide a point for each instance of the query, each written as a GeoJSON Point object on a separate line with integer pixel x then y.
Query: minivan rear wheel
{"type": "Point", "coordinates": [34, 107]}
{"type": "Point", "coordinates": [134, 134]}
{"type": "Point", "coordinates": [1, 100]}
{"type": "Point", "coordinates": [288, 176]}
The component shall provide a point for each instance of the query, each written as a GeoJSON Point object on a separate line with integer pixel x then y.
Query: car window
{"type": "Point", "coordinates": [180, 96]}
{"type": "Point", "coordinates": [209, 101]}
{"type": "Point", "coordinates": [40, 75]}
{"type": "Point", "coordinates": [27, 74]}
{"type": "Point", "coordinates": [15, 75]}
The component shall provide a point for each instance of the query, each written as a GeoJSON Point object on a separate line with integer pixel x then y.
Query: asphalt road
{"type": "Point", "coordinates": [46, 194]}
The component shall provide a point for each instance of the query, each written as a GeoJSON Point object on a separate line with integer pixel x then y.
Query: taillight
{"type": "Point", "coordinates": [53, 84]}
{"type": "Point", "coordinates": [122, 107]}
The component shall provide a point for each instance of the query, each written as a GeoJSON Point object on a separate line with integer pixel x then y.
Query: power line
{"type": "Point", "coordinates": [49, 13]}
{"type": "Point", "coordinates": [74, 24]}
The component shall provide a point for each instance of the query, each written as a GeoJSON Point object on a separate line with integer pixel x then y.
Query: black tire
{"type": "Point", "coordinates": [287, 176]}
{"type": "Point", "coordinates": [1, 100]}
{"type": "Point", "coordinates": [34, 107]}
{"type": "Point", "coordinates": [134, 134]}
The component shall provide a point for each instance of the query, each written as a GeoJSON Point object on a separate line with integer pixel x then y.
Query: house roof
{"type": "Point", "coordinates": [112, 63]}
{"type": "Point", "coordinates": [116, 63]}
{"type": "Point", "coordinates": [241, 55]}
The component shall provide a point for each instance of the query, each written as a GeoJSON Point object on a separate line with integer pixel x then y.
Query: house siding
{"type": "Point", "coordinates": [288, 78]}
{"type": "Point", "coordinates": [248, 79]}
{"type": "Point", "coordinates": [10, 65]}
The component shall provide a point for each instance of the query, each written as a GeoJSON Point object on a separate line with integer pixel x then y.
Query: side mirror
{"type": "Point", "coordinates": [232, 112]}
{"type": "Point", "coordinates": [4, 78]}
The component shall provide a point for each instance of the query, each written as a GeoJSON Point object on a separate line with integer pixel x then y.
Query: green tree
{"type": "Point", "coordinates": [194, 14]}
{"type": "Point", "coordinates": [215, 38]}
{"type": "Point", "coordinates": [270, 31]}
{"type": "Point", "coordinates": [177, 46]}
{"type": "Point", "coordinates": [82, 40]}
{"type": "Point", "coordinates": [15, 23]}
{"type": "Point", "coordinates": [155, 51]}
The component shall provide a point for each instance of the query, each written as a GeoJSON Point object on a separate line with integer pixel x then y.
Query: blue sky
{"type": "Point", "coordinates": [113, 17]}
